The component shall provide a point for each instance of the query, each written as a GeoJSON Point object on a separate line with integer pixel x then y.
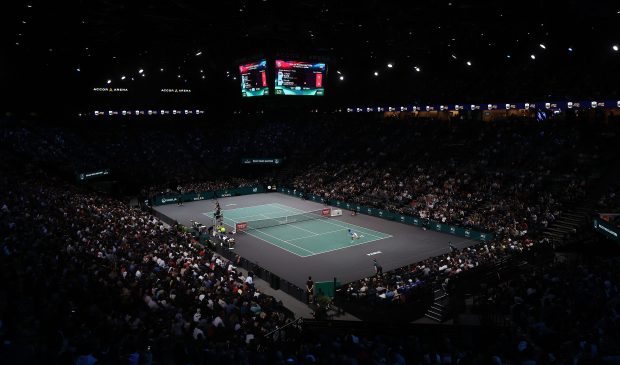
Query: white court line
{"type": "Point", "coordinates": [350, 224]}
{"type": "Point", "coordinates": [298, 211]}
{"type": "Point", "coordinates": [361, 231]}
{"type": "Point", "coordinates": [281, 240]}
{"type": "Point", "coordinates": [317, 234]}
{"type": "Point", "coordinates": [357, 244]}
{"type": "Point", "coordinates": [313, 253]}
{"type": "Point", "coordinates": [303, 229]}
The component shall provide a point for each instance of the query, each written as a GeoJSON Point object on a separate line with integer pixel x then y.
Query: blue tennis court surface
{"type": "Point", "coordinates": [305, 238]}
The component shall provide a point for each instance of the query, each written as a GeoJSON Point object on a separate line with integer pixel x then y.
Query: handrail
{"type": "Point", "coordinates": [286, 325]}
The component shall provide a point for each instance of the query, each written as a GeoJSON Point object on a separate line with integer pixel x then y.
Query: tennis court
{"type": "Point", "coordinates": [301, 234]}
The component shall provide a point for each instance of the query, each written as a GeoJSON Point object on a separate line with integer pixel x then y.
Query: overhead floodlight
{"type": "Point", "coordinates": [417, 69]}
{"type": "Point", "coordinates": [468, 63]}
{"type": "Point", "coordinates": [542, 46]}
{"type": "Point", "coordinates": [390, 65]}
{"type": "Point", "coordinates": [341, 78]}
{"type": "Point", "coordinates": [376, 73]}
{"type": "Point", "coordinates": [109, 81]}
{"type": "Point", "coordinates": [140, 71]}
{"type": "Point", "coordinates": [198, 53]}
{"type": "Point", "coordinates": [615, 47]}
{"type": "Point", "coordinates": [122, 77]}
{"type": "Point", "coordinates": [533, 56]}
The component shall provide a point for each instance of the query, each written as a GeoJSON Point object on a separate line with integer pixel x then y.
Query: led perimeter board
{"type": "Point", "coordinates": [299, 78]}
{"type": "Point", "coordinates": [254, 79]}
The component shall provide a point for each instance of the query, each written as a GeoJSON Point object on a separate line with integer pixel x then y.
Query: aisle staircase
{"type": "Point", "coordinates": [568, 224]}
{"type": "Point", "coordinates": [439, 310]}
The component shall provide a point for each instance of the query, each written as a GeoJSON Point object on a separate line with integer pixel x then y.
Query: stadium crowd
{"type": "Point", "coordinates": [568, 307]}
{"type": "Point", "coordinates": [138, 289]}
{"type": "Point", "coordinates": [99, 281]}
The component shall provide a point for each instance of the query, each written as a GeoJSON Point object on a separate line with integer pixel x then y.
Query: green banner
{"type": "Point", "coordinates": [326, 288]}
{"type": "Point", "coordinates": [172, 199]}
{"type": "Point", "coordinates": [384, 214]}
{"type": "Point", "coordinates": [609, 230]}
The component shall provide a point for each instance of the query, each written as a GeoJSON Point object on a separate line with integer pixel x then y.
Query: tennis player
{"type": "Point", "coordinates": [354, 235]}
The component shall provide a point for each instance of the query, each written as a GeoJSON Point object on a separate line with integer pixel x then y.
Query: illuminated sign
{"type": "Point", "coordinates": [110, 89]}
{"type": "Point", "coordinates": [176, 90]}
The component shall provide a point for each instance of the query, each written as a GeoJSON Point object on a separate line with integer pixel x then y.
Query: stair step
{"type": "Point", "coordinates": [568, 221]}
{"type": "Point", "coordinates": [435, 313]}
{"type": "Point", "coordinates": [582, 210]}
{"type": "Point", "coordinates": [558, 230]}
{"type": "Point", "coordinates": [433, 317]}
{"type": "Point", "coordinates": [441, 297]}
{"type": "Point", "coordinates": [573, 216]}
{"type": "Point", "coordinates": [566, 224]}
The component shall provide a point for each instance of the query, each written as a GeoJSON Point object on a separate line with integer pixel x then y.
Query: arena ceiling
{"type": "Point", "coordinates": [406, 50]}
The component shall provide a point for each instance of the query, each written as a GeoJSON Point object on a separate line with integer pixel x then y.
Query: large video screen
{"type": "Point", "coordinates": [299, 78]}
{"type": "Point", "coordinates": [254, 79]}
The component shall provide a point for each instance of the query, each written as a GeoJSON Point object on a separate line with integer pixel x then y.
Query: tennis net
{"type": "Point", "coordinates": [294, 218]}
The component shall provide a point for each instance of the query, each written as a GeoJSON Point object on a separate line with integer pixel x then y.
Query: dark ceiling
{"type": "Point", "coordinates": [198, 44]}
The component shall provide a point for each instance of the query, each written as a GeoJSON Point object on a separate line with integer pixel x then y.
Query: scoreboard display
{"type": "Point", "coordinates": [254, 79]}
{"type": "Point", "coordinates": [299, 78]}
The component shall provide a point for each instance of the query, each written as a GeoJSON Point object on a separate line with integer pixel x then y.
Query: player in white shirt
{"type": "Point", "coordinates": [354, 235]}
